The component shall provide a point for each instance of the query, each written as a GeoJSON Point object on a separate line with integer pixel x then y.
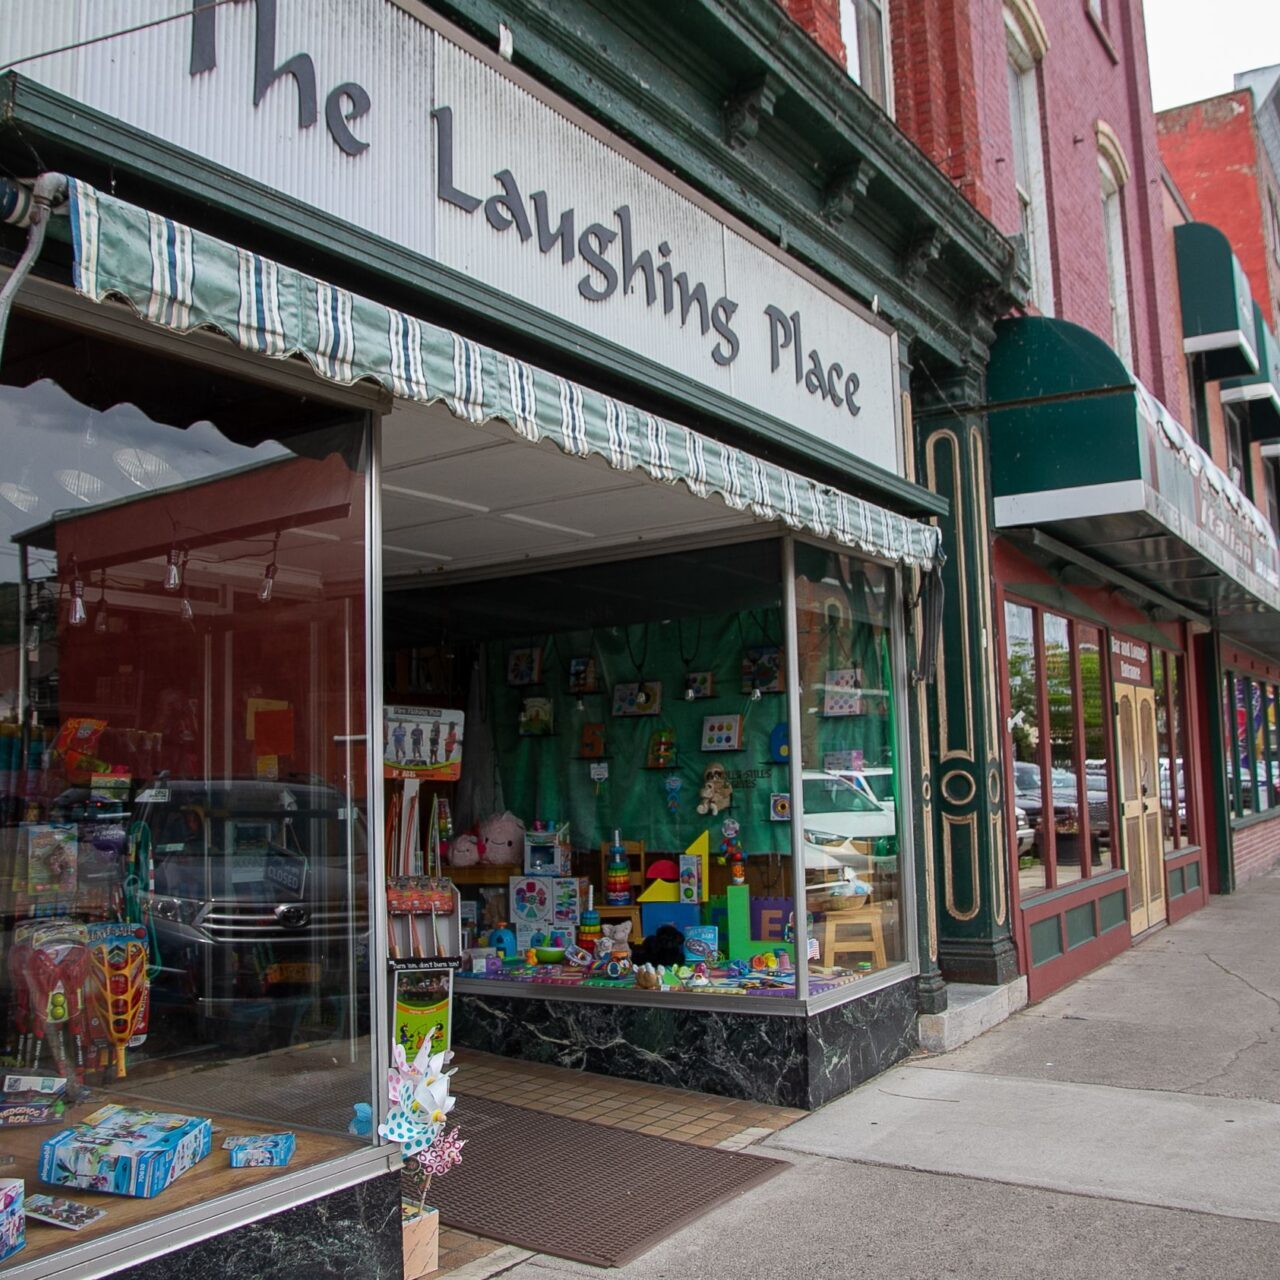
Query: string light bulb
{"type": "Point", "coordinates": [188, 613]}
{"type": "Point", "coordinates": [100, 620]}
{"type": "Point", "coordinates": [173, 570]}
{"type": "Point", "coordinates": [78, 615]}
{"type": "Point", "coordinates": [269, 575]}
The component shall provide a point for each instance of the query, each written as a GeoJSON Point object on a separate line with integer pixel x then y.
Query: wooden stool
{"type": "Point", "coordinates": [868, 917]}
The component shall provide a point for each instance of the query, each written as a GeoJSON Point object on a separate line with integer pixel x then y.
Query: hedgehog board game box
{"type": "Point", "coordinates": [125, 1152]}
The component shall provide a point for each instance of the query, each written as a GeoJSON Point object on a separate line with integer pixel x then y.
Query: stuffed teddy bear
{"type": "Point", "coordinates": [502, 840]}
{"type": "Point", "coordinates": [464, 851]}
{"type": "Point", "coordinates": [717, 792]}
{"type": "Point", "coordinates": [665, 946]}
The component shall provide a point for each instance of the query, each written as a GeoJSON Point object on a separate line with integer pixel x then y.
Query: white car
{"type": "Point", "coordinates": [846, 830]}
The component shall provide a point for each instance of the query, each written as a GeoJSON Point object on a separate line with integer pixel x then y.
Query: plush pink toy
{"type": "Point", "coordinates": [502, 841]}
{"type": "Point", "coordinates": [464, 851]}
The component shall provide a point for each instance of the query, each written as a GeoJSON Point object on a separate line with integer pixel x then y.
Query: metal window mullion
{"type": "Point", "coordinates": [795, 734]}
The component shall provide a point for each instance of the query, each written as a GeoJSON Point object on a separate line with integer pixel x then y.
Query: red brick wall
{"type": "Point", "coordinates": [1255, 849]}
{"type": "Point", "coordinates": [1211, 149]}
{"type": "Point", "coordinates": [952, 95]}
{"type": "Point", "coordinates": [935, 89]}
{"type": "Point", "coordinates": [821, 20]}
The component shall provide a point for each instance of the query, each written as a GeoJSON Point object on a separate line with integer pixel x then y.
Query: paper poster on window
{"type": "Point", "coordinates": [422, 1009]}
{"type": "Point", "coordinates": [422, 742]}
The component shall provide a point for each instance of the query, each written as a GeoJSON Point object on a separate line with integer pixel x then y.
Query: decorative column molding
{"type": "Point", "coordinates": [973, 919]}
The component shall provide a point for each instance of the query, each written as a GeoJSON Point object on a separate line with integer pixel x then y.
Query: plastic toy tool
{"type": "Point", "coordinates": [119, 993]}
{"type": "Point", "coordinates": [55, 980]}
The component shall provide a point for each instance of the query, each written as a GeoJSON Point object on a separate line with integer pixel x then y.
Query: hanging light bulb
{"type": "Point", "coordinates": [755, 695]}
{"type": "Point", "coordinates": [100, 615]}
{"type": "Point", "coordinates": [78, 615]}
{"type": "Point", "coordinates": [188, 613]}
{"type": "Point", "coordinates": [582, 706]}
{"type": "Point", "coordinates": [269, 575]}
{"type": "Point", "coordinates": [173, 570]}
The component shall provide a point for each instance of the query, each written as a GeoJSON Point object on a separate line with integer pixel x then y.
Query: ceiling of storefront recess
{"type": "Point", "coordinates": [461, 497]}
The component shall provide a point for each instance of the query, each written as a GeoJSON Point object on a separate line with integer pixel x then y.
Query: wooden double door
{"type": "Point", "coordinates": [1142, 837]}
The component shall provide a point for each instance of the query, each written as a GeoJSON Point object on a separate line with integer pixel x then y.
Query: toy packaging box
{"type": "Point", "coordinates": [13, 1220]}
{"type": "Point", "coordinates": [125, 1152]}
{"type": "Point", "coordinates": [265, 1150]}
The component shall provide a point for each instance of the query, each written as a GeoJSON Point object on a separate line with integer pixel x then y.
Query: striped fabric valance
{"type": "Point", "coordinates": [184, 280]}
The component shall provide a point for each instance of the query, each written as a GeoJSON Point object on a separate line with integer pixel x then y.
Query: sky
{"type": "Point", "coordinates": [1191, 59]}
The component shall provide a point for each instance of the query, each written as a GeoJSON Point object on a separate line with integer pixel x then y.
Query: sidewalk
{"type": "Point", "coordinates": [1127, 1126]}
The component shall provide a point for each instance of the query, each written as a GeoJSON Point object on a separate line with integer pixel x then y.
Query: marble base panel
{"type": "Point", "coordinates": [353, 1234]}
{"type": "Point", "coordinates": [781, 1060]}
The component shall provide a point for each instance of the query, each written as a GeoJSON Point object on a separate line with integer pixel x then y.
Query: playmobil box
{"type": "Point", "coordinates": [263, 1150]}
{"type": "Point", "coordinates": [125, 1152]}
{"type": "Point", "coordinates": [13, 1221]}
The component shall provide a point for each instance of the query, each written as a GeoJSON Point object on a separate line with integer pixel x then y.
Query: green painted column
{"type": "Point", "coordinates": [1217, 817]}
{"type": "Point", "coordinates": [962, 781]}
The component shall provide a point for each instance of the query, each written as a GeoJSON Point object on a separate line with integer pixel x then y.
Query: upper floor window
{"type": "Point", "coordinates": [1114, 173]}
{"type": "Point", "coordinates": [864, 28]}
{"type": "Point", "coordinates": [1026, 46]}
{"type": "Point", "coordinates": [1273, 217]}
{"type": "Point", "coordinates": [1237, 457]}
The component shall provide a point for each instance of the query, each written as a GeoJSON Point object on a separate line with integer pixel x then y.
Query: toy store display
{"type": "Point", "coordinates": [424, 917]}
{"type": "Point", "coordinates": [673, 811]}
{"type": "Point", "coordinates": [124, 1151]}
{"type": "Point", "coordinates": [80, 1000]}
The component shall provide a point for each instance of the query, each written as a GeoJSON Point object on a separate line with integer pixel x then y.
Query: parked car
{"type": "Point", "coordinates": [846, 829]}
{"type": "Point", "coordinates": [260, 902]}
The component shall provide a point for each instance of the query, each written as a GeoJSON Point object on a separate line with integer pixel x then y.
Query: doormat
{"type": "Point", "coordinates": [583, 1191]}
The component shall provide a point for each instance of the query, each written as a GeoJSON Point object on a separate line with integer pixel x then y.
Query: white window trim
{"type": "Point", "coordinates": [1113, 175]}
{"type": "Point", "coordinates": [847, 9]}
{"type": "Point", "coordinates": [1026, 44]}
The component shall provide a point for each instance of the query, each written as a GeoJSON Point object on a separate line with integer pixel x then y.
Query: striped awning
{"type": "Point", "coordinates": [185, 280]}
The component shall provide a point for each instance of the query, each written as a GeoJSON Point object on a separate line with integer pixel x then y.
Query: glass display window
{"type": "Point", "coordinates": [853, 843]}
{"type": "Point", "coordinates": [1064, 741]}
{"type": "Point", "coordinates": [619, 795]}
{"type": "Point", "coordinates": [184, 889]}
{"type": "Point", "coordinates": [620, 816]}
{"type": "Point", "coordinates": [1023, 664]}
{"type": "Point", "coordinates": [1252, 756]}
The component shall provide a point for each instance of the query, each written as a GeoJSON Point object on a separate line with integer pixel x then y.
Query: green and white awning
{"type": "Point", "coordinates": [1259, 391]}
{"type": "Point", "coordinates": [1217, 307]}
{"type": "Point", "coordinates": [186, 280]}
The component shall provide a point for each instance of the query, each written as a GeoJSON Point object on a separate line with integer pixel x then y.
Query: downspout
{"type": "Point", "coordinates": [31, 209]}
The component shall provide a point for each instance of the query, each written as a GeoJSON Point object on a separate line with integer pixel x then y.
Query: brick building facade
{"type": "Point", "coordinates": [1041, 117]}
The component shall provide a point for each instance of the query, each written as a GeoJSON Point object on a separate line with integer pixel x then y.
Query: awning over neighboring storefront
{"type": "Point", "coordinates": [1081, 449]}
{"type": "Point", "coordinates": [1259, 391]}
{"type": "Point", "coordinates": [1217, 307]}
{"type": "Point", "coordinates": [186, 280]}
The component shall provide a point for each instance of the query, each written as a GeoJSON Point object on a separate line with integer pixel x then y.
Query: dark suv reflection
{"type": "Point", "coordinates": [259, 906]}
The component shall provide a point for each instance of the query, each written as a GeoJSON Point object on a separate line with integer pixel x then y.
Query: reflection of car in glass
{"type": "Point", "coordinates": [1026, 833]}
{"type": "Point", "coordinates": [846, 828]}
{"type": "Point", "coordinates": [253, 904]}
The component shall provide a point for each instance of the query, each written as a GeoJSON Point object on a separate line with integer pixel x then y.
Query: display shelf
{"type": "Point", "coordinates": [480, 874]}
{"type": "Point", "coordinates": [211, 1177]}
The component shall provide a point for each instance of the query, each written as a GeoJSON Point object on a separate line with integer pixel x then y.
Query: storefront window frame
{"type": "Point", "coordinates": [1238, 688]}
{"type": "Point", "coordinates": [171, 1230]}
{"type": "Point", "coordinates": [1049, 833]}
